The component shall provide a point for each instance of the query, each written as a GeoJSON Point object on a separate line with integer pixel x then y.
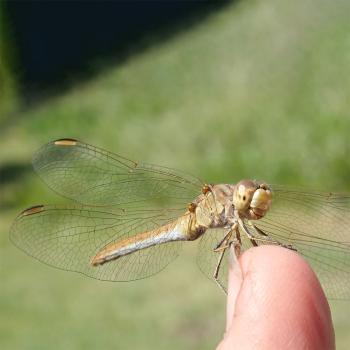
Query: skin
{"type": "Point", "coordinates": [275, 301]}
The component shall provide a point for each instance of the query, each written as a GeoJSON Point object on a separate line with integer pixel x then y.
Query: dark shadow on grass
{"type": "Point", "coordinates": [12, 177]}
{"type": "Point", "coordinates": [130, 43]}
{"type": "Point", "coordinates": [135, 34]}
{"type": "Point", "coordinates": [12, 172]}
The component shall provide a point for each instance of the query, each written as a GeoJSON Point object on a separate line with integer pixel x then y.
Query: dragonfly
{"type": "Point", "coordinates": [129, 219]}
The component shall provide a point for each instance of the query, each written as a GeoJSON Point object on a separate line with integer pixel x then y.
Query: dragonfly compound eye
{"type": "Point", "coordinates": [243, 194]}
{"type": "Point", "coordinates": [261, 202]}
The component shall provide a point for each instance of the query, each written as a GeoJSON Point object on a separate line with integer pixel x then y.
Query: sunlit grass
{"type": "Point", "coordinates": [257, 90]}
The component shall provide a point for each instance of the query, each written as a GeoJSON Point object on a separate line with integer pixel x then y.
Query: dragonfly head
{"type": "Point", "coordinates": [252, 199]}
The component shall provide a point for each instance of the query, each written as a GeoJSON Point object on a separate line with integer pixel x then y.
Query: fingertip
{"type": "Point", "coordinates": [279, 301]}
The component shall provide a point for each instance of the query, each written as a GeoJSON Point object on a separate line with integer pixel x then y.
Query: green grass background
{"type": "Point", "coordinates": [256, 89]}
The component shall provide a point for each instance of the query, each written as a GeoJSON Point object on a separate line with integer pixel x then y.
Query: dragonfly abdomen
{"type": "Point", "coordinates": [173, 231]}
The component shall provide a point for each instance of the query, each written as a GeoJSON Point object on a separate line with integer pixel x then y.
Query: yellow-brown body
{"type": "Point", "coordinates": [218, 206]}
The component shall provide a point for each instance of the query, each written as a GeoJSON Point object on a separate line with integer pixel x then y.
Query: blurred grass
{"type": "Point", "coordinates": [257, 90]}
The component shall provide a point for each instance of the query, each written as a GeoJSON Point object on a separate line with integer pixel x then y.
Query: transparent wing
{"type": "Point", "coordinates": [318, 226]}
{"type": "Point", "coordinates": [93, 176]}
{"type": "Point", "coordinates": [68, 237]}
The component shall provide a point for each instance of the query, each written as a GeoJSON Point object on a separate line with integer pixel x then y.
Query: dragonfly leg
{"type": "Point", "coordinates": [268, 239]}
{"type": "Point", "coordinates": [225, 242]}
{"type": "Point", "coordinates": [288, 246]}
{"type": "Point", "coordinates": [221, 247]}
{"type": "Point", "coordinates": [216, 271]}
{"type": "Point", "coordinates": [252, 239]}
{"type": "Point", "coordinates": [265, 239]}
